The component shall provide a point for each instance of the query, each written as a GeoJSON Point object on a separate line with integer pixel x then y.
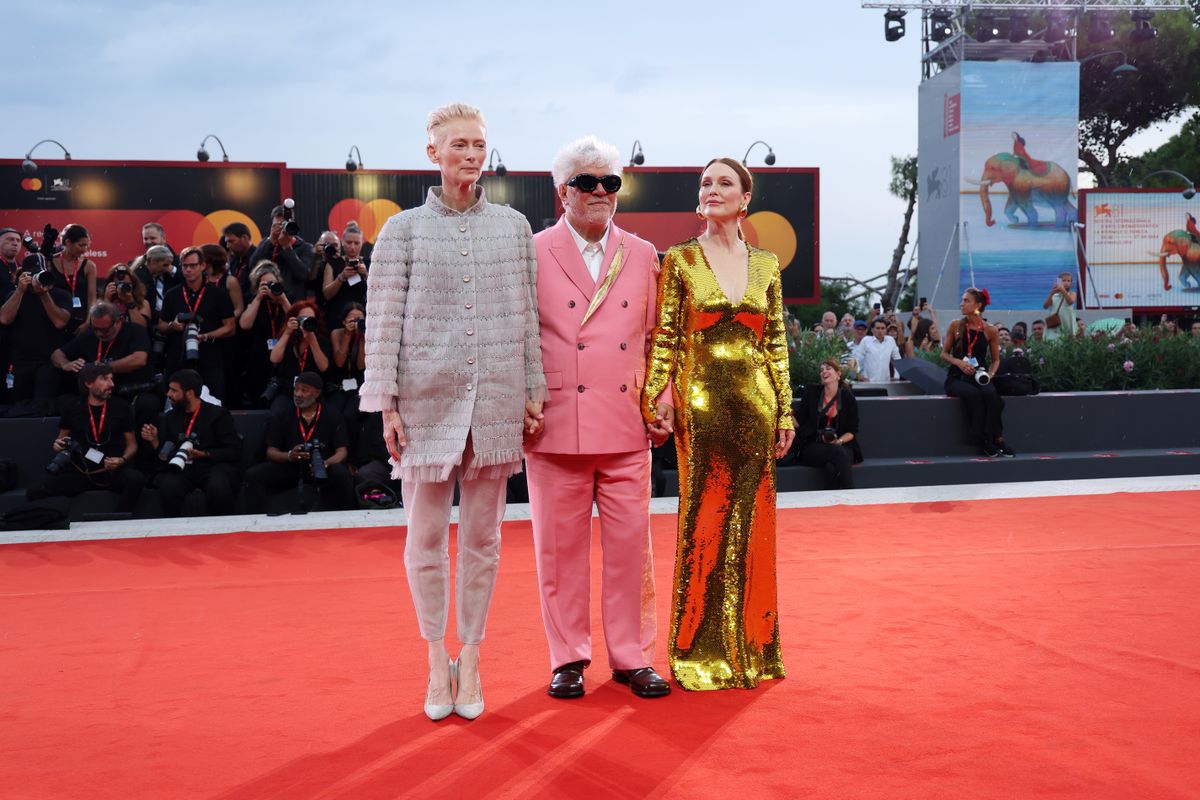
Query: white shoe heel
{"type": "Point", "coordinates": [437, 711]}
{"type": "Point", "coordinates": [467, 710]}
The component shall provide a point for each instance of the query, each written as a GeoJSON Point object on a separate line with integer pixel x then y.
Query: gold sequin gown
{"type": "Point", "coordinates": [729, 367]}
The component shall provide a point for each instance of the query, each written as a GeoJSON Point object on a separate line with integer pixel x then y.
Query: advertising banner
{"type": "Point", "coordinates": [1143, 248]}
{"type": "Point", "coordinates": [1018, 133]}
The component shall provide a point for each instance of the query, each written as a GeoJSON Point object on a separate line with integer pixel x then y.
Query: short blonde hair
{"type": "Point", "coordinates": [443, 114]}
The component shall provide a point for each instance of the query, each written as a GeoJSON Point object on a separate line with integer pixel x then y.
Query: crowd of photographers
{"type": "Point", "coordinates": [144, 363]}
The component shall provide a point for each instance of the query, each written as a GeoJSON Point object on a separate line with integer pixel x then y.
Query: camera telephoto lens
{"type": "Point", "coordinates": [276, 288]}
{"type": "Point", "coordinates": [361, 324]}
{"type": "Point", "coordinates": [308, 324]}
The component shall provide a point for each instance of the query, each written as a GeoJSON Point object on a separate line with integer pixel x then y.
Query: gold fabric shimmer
{"type": "Point", "coordinates": [729, 367]}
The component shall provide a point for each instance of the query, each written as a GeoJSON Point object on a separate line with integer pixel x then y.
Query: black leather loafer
{"type": "Point", "coordinates": [644, 682]}
{"type": "Point", "coordinates": [567, 681]}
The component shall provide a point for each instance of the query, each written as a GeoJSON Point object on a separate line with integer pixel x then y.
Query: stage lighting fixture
{"type": "Point", "coordinates": [351, 164]}
{"type": "Point", "coordinates": [893, 24]}
{"type": "Point", "coordinates": [202, 154]}
{"type": "Point", "coordinates": [939, 24]}
{"type": "Point", "coordinates": [636, 157]}
{"type": "Point", "coordinates": [769, 159]}
{"type": "Point", "coordinates": [1018, 27]}
{"type": "Point", "coordinates": [1100, 28]}
{"type": "Point", "coordinates": [985, 27]}
{"type": "Point", "coordinates": [1187, 193]}
{"type": "Point", "coordinates": [501, 170]}
{"type": "Point", "coordinates": [29, 166]}
{"type": "Point", "coordinates": [1057, 27]}
{"type": "Point", "coordinates": [1142, 31]}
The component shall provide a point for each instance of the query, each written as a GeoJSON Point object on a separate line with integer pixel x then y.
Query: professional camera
{"type": "Point", "coordinates": [290, 226]}
{"type": "Point", "coordinates": [176, 454]}
{"type": "Point", "coordinates": [276, 288]}
{"type": "Point", "coordinates": [361, 324]}
{"type": "Point", "coordinates": [44, 278]}
{"type": "Point", "coordinates": [134, 389]}
{"type": "Point", "coordinates": [827, 435]}
{"type": "Point", "coordinates": [191, 335]}
{"type": "Point", "coordinates": [982, 378]}
{"type": "Point", "coordinates": [46, 248]}
{"type": "Point", "coordinates": [334, 258]}
{"type": "Point", "coordinates": [272, 390]}
{"type": "Point", "coordinates": [124, 290]}
{"type": "Point", "coordinates": [308, 324]}
{"type": "Point", "coordinates": [72, 451]}
{"type": "Point", "coordinates": [316, 462]}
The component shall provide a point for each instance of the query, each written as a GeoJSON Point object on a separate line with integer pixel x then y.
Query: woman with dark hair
{"type": "Point", "coordinates": [972, 349]}
{"type": "Point", "coordinates": [123, 289]}
{"type": "Point", "coordinates": [76, 273]}
{"type": "Point", "coordinates": [302, 347]}
{"type": "Point", "coordinates": [827, 427]}
{"type": "Point", "coordinates": [216, 260]}
{"type": "Point", "coordinates": [348, 370]}
{"type": "Point", "coordinates": [720, 344]}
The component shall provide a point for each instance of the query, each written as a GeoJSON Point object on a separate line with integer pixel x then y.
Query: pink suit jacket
{"type": "Point", "coordinates": [594, 372]}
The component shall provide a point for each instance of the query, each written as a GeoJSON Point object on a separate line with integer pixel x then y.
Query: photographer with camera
{"type": "Point", "coordinates": [10, 246]}
{"type": "Point", "coordinates": [348, 371]}
{"type": "Point", "coordinates": [95, 445]}
{"type": "Point", "coordinates": [302, 347]}
{"type": "Point", "coordinates": [970, 347]}
{"type": "Point", "coordinates": [123, 290]}
{"type": "Point", "coordinates": [326, 247]}
{"type": "Point", "coordinates": [827, 427]}
{"type": "Point", "coordinates": [345, 283]}
{"type": "Point", "coordinates": [107, 338]}
{"type": "Point", "coordinates": [1061, 321]}
{"type": "Point", "coordinates": [262, 322]}
{"type": "Point", "coordinates": [195, 317]}
{"type": "Point", "coordinates": [305, 442]}
{"type": "Point", "coordinates": [198, 448]}
{"type": "Point", "coordinates": [287, 250]}
{"type": "Point", "coordinates": [34, 315]}
{"type": "Point", "coordinates": [158, 273]}
{"type": "Point", "coordinates": [72, 270]}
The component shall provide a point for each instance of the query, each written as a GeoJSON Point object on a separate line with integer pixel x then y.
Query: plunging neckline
{"type": "Point", "coordinates": [717, 280]}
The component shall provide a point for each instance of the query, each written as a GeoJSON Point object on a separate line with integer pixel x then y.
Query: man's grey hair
{"type": "Point", "coordinates": [160, 252]}
{"type": "Point", "coordinates": [161, 230]}
{"type": "Point", "coordinates": [105, 310]}
{"type": "Point", "coordinates": [586, 152]}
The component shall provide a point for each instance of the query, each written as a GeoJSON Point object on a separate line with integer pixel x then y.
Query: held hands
{"type": "Point", "coordinates": [393, 433]}
{"type": "Point", "coordinates": [535, 420]}
{"type": "Point", "coordinates": [783, 441]}
{"type": "Point", "coordinates": [664, 424]}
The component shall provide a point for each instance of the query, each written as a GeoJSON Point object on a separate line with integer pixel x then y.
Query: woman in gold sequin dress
{"type": "Point", "coordinates": [727, 362]}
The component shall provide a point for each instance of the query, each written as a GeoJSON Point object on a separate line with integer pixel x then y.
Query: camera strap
{"type": "Point", "coordinates": [187, 433]}
{"type": "Point", "coordinates": [97, 429]}
{"type": "Point", "coordinates": [302, 356]}
{"type": "Point", "coordinates": [830, 411]}
{"type": "Point", "coordinates": [307, 435]}
{"type": "Point", "coordinates": [194, 307]}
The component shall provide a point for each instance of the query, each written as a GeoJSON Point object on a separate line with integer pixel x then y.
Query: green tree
{"type": "Point", "coordinates": [1115, 106]}
{"type": "Point", "coordinates": [834, 296]}
{"type": "Point", "coordinates": [904, 186]}
{"type": "Point", "coordinates": [1180, 153]}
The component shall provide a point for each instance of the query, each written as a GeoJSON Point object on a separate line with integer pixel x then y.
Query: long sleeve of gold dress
{"type": "Point", "coordinates": [729, 367]}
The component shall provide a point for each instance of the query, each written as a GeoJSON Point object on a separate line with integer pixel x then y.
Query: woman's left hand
{"type": "Point", "coordinates": [783, 441]}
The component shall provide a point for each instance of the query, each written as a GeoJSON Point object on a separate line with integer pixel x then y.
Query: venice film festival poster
{"type": "Point", "coordinates": [1019, 154]}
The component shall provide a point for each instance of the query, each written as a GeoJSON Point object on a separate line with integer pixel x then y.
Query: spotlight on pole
{"type": "Point", "coordinates": [1100, 27]}
{"type": "Point", "coordinates": [769, 159]}
{"type": "Point", "coordinates": [939, 24]}
{"type": "Point", "coordinates": [636, 157]}
{"type": "Point", "coordinates": [893, 24]}
{"type": "Point", "coordinates": [202, 154]}
{"type": "Point", "coordinates": [1142, 31]}
{"type": "Point", "coordinates": [1018, 27]}
{"type": "Point", "coordinates": [351, 164]}
{"type": "Point", "coordinates": [501, 170]}
{"type": "Point", "coordinates": [1057, 27]}
{"type": "Point", "coordinates": [1187, 193]}
{"type": "Point", "coordinates": [29, 166]}
{"type": "Point", "coordinates": [985, 26]}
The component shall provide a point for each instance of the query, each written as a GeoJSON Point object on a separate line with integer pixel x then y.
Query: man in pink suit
{"type": "Point", "coordinates": [596, 292]}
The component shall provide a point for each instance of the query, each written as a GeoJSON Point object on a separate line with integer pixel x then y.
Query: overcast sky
{"type": "Point", "coordinates": [302, 81]}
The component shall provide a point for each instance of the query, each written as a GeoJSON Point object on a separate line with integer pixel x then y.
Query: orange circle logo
{"type": "Point", "coordinates": [773, 232]}
{"type": "Point", "coordinates": [369, 216]}
{"type": "Point", "coordinates": [32, 184]}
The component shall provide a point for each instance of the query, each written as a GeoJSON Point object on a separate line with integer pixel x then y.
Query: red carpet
{"type": "Point", "coordinates": [996, 649]}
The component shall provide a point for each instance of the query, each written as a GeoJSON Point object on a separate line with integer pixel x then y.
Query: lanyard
{"type": "Point", "coordinates": [273, 318]}
{"type": "Point", "coordinates": [830, 411]}
{"type": "Point", "coordinates": [102, 351]}
{"type": "Point", "coordinates": [306, 435]}
{"type": "Point", "coordinates": [195, 414]}
{"type": "Point", "coordinates": [73, 278]}
{"type": "Point", "coordinates": [97, 430]}
{"type": "Point", "coordinates": [302, 357]}
{"type": "Point", "coordinates": [190, 306]}
{"type": "Point", "coordinates": [971, 340]}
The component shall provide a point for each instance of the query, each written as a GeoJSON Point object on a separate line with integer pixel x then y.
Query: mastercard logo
{"type": "Point", "coordinates": [370, 216]}
{"type": "Point", "coordinates": [196, 229]}
{"type": "Point", "coordinates": [771, 231]}
{"type": "Point", "coordinates": [32, 184]}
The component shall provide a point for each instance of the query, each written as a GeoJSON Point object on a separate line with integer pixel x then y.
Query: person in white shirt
{"type": "Point", "coordinates": [876, 354]}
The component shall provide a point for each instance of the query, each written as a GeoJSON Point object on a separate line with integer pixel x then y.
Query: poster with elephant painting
{"type": "Point", "coordinates": [1019, 154]}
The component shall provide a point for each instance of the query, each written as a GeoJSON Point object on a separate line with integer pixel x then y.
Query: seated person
{"type": "Point", "coordinates": [123, 289]}
{"type": "Point", "coordinates": [302, 347]}
{"type": "Point", "coordinates": [827, 427]}
{"type": "Point", "coordinates": [210, 465]}
{"type": "Point", "coordinates": [95, 445]}
{"type": "Point", "coordinates": [972, 348]}
{"type": "Point", "coordinates": [293, 434]}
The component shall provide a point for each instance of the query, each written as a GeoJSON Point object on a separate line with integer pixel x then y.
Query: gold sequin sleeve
{"type": "Point", "coordinates": [776, 351]}
{"type": "Point", "coordinates": [665, 342]}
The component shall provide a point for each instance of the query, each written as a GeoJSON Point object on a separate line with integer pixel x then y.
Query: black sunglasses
{"type": "Point", "coordinates": [588, 183]}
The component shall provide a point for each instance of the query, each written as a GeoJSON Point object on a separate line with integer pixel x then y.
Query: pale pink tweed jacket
{"type": "Point", "coordinates": [452, 335]}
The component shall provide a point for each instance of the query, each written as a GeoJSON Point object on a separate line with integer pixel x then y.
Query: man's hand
{"type": "Point", "coordinates": [664, 424]}
{"type": "Point", "coordinates": [393, 434]}
{"type": "Point", "coordinates": [150, 434]}
{"type": "Point", "coordinates": [535, 420]}
{"type": "Point", "coordinates": [113, 463]}
{"type": "Point", "coordinates": [285, 241]}
{"type": "Point", "coordinates": [74, 366]}
{"type": "Point", "coordinates": [59, 445]}
{"type": "Point", "coordinates": [24, 281]}
{"type": "Point", "coordinates": [783, 441]}
{"type": "Point", "coordinates": [297, 453]}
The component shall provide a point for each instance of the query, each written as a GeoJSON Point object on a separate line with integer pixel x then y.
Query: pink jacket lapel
{"type": "Point", "coordinates": [569, 258]}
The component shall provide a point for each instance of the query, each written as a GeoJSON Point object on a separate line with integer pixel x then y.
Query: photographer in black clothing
{"type": "Point", "coordinates": [34, 314]}
{"type": "Point", "coordinates": [95, 445]}
{"type": "Point", "coordinates": [208, 462]}
{"type": "Point", "coordinates": [302, 347]}
{"type": "Point", "coordinates": [290, 253]}
{"type": "Point", "coordinates": [305, 442]}
{"type": "Point", "coordinates": [347, 372]}
{"type": "Point", "coordinates": [124, 289]}
{"type": "Point", "coordinates": [241, 253]}
{"type": "Point", "coordinates": [827, 427]}
{"type": "Point", "coordinates": [10, 246]}
{"type": "Point", "coordinates": [262, 322]}
{"type": "Point", "coordinates": [195, 317]}
{"type": "Point", "coordinates": [345, 282]}
{"type": "Point", "coordinates": [158, 273]}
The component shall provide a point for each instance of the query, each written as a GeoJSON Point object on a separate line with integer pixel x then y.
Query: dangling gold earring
{"type": "Point", "coordinates": [699, 213]}
{"type": "Point", "coordinates": [742, 212]}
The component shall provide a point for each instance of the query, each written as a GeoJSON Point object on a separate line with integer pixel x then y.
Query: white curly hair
{"type": "Point", "coordinates": [586, 152]}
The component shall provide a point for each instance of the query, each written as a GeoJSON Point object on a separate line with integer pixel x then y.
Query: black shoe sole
{"type": "Point", "coordinates": [621, 678]}
{"type": "Point", "coordinates": [569, 694]}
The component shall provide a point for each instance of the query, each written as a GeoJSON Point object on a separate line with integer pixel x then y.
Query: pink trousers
{"type": "Point", "coordinates": [561, 491]}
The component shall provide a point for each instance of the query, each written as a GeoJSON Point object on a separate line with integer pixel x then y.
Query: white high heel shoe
{"type": "Point", "coordinates": [467, 710]}
{"type": "Point", "coordinates": [436, 711]}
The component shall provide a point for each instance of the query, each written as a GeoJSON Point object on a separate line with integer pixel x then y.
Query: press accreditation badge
{"type": "Point", "coordinates": [271, 343]}
{"type": "Point", "coordinates": [93, 455]}
{"type": "Point", "coordinates": [76, 302]}
{"type": "Point", "coordinates": [354, 280]}
{"type": "Point", "coordinates": [350, 385]}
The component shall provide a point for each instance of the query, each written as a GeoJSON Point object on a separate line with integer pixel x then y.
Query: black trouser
{"type": "Point", "coordinates": [217, 481]}
{"type": "Point", "coordinates": [983, 404]}
{"type": "Point", "coordinates": [346, 404]}
{"type": "Point", "coordinates": [836, 460]}
{"type": "Point", "coordinates": [126, 481]}
{"type": "Point", "coordinates": [36, 381]}
{"type": "Point", "coordinates": [337, 491]}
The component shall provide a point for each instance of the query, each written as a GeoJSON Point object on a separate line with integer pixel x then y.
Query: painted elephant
{"type": "Point", "coordinates": [1186, 245]}
{"type": "Point", "coordinates": [1050, 186]}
